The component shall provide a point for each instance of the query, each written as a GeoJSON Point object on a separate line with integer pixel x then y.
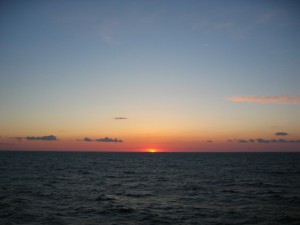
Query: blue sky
{"type": "Point", "coordinates": [166, 65]}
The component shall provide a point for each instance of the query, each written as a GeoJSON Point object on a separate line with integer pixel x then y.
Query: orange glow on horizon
{"type": "Point", "coordinates": [152, 150]}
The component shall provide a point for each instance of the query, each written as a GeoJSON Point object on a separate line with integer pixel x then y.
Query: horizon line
{"type": "Point", "coordinates": [91, 151]}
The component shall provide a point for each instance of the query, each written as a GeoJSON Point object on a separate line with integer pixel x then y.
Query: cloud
{"type": "Point", "coordinates": [107, 139]}
{"type": "Point", "coordinates": [281, 99]}
{"type": "Point", "coordinates": [120, 118]}
{"type": "Point", "coordinates": [106, 37]}
{"type": "Point", "coordinates": [260, 140]}
{"type": "Point", "coordinates": [264, 141]}
{"type": "Point", "coordinates": [281, 134]}
{"type": "Point", "coordinates": [266, 17]}
{"type": "Point", "coordinates": [209, 141]}
{"type": "Point", "coordinates": [42, 138]}
{"type": "Point", "coordinates": [241, 140]}
{"type": "Point", "coordinates": [87, 139]}
{"type": "Point", "coordinates": [277, 141]}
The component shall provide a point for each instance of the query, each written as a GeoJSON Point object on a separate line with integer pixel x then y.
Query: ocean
{"type": "Point", "coordinates": [149, 188]}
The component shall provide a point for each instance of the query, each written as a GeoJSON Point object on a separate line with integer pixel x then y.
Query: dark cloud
{"type": "Point", "coordinates": [42, 138]}
{"type": "Point", "coordinates": [263, 141]}
{"type": "Point", "coordinates": [107, 139]}
{"type": "Point", "coordinates": [281, 134]}
{"type": "Point", "coordinates": [260, 140]}
{"type": "Point", "coordinates": [285, 141]}
{"type": "Point", "coordinates": [120, 118]}
{"type": "Point", "coordinates": [87, 139]}
{"type": "Point", "coordinates": [209, 141]}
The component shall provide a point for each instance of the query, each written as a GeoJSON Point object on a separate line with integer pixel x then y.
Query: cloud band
{"type": "Point", "coordinates": [264, 141]}
{"type": "Point", "coordinates": [106, 139]}
{"type": "Point", "coordinates": [42, 138]}
{"type": "Point", "coordinates": [281, 99]}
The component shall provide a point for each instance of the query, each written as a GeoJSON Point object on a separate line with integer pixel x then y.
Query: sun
{"type": "Point", "coordinates": [152, 150]}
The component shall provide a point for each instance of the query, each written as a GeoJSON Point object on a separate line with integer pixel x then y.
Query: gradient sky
{"type": "Point", "coordinates": [133, 75]}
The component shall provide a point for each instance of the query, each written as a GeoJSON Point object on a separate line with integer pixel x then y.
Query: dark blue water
{"type": "Point", "coordinates": [145, 188]}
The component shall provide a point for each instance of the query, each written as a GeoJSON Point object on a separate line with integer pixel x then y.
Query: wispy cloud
{"type": "Point", "coordinates": [106, 139]}
{"type": "Point", "coordinates": [40, 138]}
{"type": "Point", "coordinates": [87, 139]}
{"type": "Point", "coordinates": [264, 141]}
{"type": "Point", "coordinates": [106, 37]}
{"type": "Point", "coordinates": [281, 133]}
{"type": "Point", "coordinates": [266, 17]}
{"type": "Point", "coordinates": [120, 118]}
{"type": "Point", "coordinates": [37, 138]}
{"type": "Point", "coordinates": [280, 99]}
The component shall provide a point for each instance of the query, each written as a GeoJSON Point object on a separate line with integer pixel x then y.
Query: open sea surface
{"type": "Point", "coordinates": [149, 188]}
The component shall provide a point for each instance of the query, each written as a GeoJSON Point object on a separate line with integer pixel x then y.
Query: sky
{"type": "Point", "coordinates": [135, 75]}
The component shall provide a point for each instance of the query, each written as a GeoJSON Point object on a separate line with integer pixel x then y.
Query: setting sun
{"type": "Point", "coordinates": [152, 150]}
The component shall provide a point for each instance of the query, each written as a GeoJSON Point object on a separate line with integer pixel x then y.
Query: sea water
{"type": "Point", "coordinates": [149, 188]}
